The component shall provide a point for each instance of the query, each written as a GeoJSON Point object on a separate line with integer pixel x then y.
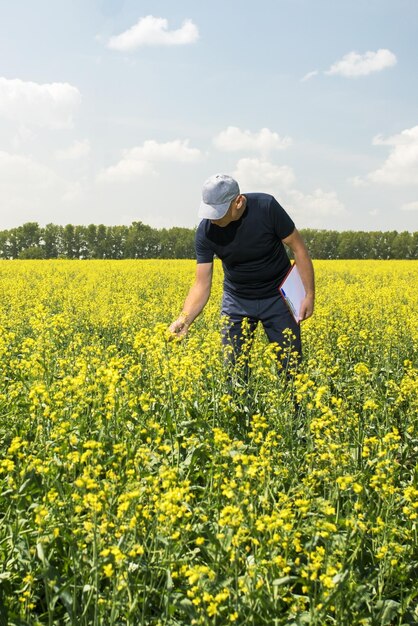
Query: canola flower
{"type": "Point", "coordinates": [136, 488]}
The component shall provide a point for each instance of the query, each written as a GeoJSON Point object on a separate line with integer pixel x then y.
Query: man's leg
{"type": "Point", "coordinates": [281, 328]}
{"type": "Point", "coordinates": [238, 329]}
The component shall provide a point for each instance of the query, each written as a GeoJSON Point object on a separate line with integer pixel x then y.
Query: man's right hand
{"type": "Point", "coordinates": [179, 327]}
{"type": "Point", "coordinates": [194, 303]}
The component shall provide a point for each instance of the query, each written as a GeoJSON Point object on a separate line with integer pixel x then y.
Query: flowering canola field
{"type": "Point", "coordinates": [136, 489]}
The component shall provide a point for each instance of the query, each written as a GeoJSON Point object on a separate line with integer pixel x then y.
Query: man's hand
{"type": "Point", "coordinates": [194, 303]}
{"type": "Point", "coordinates": [306, 308]}
{"type": "Point", "coordinates": [179, 327]}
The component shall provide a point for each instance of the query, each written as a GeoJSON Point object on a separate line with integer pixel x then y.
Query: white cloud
{"type": "Point", "coordinates": [73, 194]}
{"type": "Point", "coordinates": [22, 136]}
{"type": "Point", "coordinates": [234, 139]}
{"type": "Point", "coordinates": [401, 166]}
{"type": "Point", "coordinates": [125, 171]}
{"type": "Point", "coordinates": [317, 204]}
{"type": "Point", "coordinates": [256, 174]}
{"type": "Point", "coordinates": [357, 181]}
{"type": "Point", "coordinates": [402, 138]}
{"type": "Point", "coordinates": [18, 170]}
{"type": "Point", "coordinates": [50, 105]}
{"type": "Point", "coordinates": [30, 190]}
{"type": "Point", "coordinates": [410, 206]}
{"type": "Point", "coordinates": [77, 150]}
{"type": "Point", "coordinates": [153, 31]}
{"type": "Point", "coordinates": [177, 150]}
{"type": "Point", "coordinates": [139, 161]}
{"type": "Point", "coordinates": [354, 64]}
{"type": "Point", "coordinates": [261, 175]}
{"type": "Point", "coordinates": [309, 75]}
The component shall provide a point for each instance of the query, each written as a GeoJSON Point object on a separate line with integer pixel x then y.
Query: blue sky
{"type": "Point", "coordinates": [117, 111]}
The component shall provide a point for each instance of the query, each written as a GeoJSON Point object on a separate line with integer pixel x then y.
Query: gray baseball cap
{"type": "Point", "coordinates": [217, 194]}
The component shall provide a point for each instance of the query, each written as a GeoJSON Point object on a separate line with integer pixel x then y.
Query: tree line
{"type": "Point", "coordinates": [140, 241]}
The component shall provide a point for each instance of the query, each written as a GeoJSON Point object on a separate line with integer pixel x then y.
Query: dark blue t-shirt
{"type": "Point", "coordinates": [253, 256]}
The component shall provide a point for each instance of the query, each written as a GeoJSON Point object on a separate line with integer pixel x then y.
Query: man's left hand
{"type": "Point", "coordinates": [306, 308]}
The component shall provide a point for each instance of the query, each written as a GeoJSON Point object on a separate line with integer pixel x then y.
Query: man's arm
{"type": "Point", "coordinates": [195, 301]}
{"type": "Point", "coordinates": [306, 271]}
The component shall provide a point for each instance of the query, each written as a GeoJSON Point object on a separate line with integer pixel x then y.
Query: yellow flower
{"type": "Point", "coordinates": [108, 570]}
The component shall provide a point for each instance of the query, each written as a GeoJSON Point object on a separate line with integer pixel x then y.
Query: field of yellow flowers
{"type": "Point", "coordinates": [137, 489]}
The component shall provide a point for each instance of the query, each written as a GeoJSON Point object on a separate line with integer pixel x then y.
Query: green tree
{"type": "Point", "coordinates": [14, 242]}
{"type": "Point", "coordinates": [22, 237]}
{"type": "Point", "coordinates": [141, 242]}
{"type": "Point", "coordinates": [402, 246]}
{"type": "Point", "coordinates": [311, 239]}
{"type": "Point", "coordinates": [68, 242]}
{"type": "Point", "coordinates": [116, 237]}
{"type": "Point", "coordinates": [91, 240]}
{"type": "Point", "coordinates": [52, 235]}
{"type": "Point", "coordinates": [81, 247]}
{"type": "Point", "coordinates": [414, 245]}
{"type": "Point", "coordinates": [4, 245]}
{"type": "Point", "coordinates": [73, 244]}
{"type": "Point", "coordinates": [32, 252]}
{"type": "Point", "coordinates": [176, 243]}
{"type": "Point", "coordinates": [30, 234]}
{"type": "Point", "coordinates": [101, 250]}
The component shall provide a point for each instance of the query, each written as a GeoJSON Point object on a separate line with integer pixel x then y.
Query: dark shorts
{"type": "Point", "coordinates": [275, 316]}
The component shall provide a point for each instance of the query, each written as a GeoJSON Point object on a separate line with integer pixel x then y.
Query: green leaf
{"type": "Point", "coordinates": [278, 582]}
{"type": "Point", "coordinates": [41, 554]}
{"type": "Point", "coordinates": [388, 610]}
{"type": "Point", "coordinates": [302, 618]}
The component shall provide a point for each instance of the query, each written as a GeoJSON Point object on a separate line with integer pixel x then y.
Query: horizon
{"type": "Point", "coordinates": [192, 228]}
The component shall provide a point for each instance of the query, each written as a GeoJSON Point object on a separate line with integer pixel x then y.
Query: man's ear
{"type": "Point", "coordinates": [240, 201]}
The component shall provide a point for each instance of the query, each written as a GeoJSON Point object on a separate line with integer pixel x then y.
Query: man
{"type": "Point", "coordinates": [247, 232]}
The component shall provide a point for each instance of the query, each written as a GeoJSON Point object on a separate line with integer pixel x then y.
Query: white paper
{"type": "Point", "coordinates": [293, 292]}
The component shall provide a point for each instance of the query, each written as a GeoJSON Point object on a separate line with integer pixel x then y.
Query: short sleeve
{"type": "Point", "coordinates": [282, 223]}
{"type": "Point", "coordinates": [204, 254]}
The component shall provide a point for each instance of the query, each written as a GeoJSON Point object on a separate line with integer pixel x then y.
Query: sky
{"type": "Point", "coordinates": [115, 111]}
